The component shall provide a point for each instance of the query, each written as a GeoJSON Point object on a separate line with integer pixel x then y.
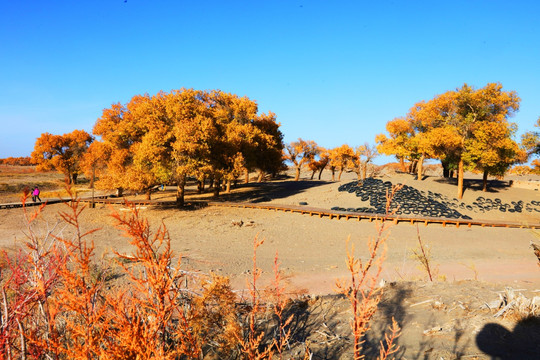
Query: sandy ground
{"type": "Point", "coordinates": [313, 249]}
{"type": "Point", "coordinates": [473, 265]}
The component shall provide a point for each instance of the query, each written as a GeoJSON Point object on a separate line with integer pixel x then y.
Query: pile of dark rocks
{"type": "Point", "coordinates": [409, 201]}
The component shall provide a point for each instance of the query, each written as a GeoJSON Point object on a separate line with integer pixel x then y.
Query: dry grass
{"type": "Point", "coordinates": [59, 302]}
{"type": "Point", "coordinates": [423, 255]}
{"type": "Point", "coordinates": [362, 289]}
{"type": "Point", "coordinates": [7, 170]}
{"type": "Point", "coordinates": [14, 179]}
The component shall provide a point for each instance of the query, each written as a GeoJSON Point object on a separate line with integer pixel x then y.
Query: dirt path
{"type": "Point", "coordinates": [443, 319]}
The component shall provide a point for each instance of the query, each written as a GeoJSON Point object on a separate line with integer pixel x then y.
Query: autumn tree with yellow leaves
{"type": "Point", "coordinates": [341, 159]}
{"type": "Point", "coordinates": [363, 156]}
{"type": "Point", "coordinates": [245, 140]}
{"type": "Point", "coordinates": [267, 152]}
{"type": "Point", "coordinates": [399, 142]}
{"type": "Point", "coordinates": [465, 128]}
{"type": "Point", "coordinates": [138, 138]}
{"type": "Point", "coordinates": [530, 141]}
{"type": "Point", "coordinates": [493, 151]}
{"type": "Point", "coordinates": [62, 153]}
{"type": "Point", "coordinates": [167, 137]}
{"type": "Point", "coordinates": [93, 160]}
{"type": "Point", "coordinates": [300, 153]}
{"type": "Point", "coordinates": [319, 163]}
{"type": "Point", "coordinates": [530, 144]}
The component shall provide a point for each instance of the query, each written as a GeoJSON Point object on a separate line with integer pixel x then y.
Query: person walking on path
{"type": "Point", "coordinates": [35, 194]}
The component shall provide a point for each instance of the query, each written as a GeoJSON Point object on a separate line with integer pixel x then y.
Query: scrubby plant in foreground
{"type": "Point", "coordinates": [362, 288]}
{"type": "Point", "coordinates": [423, 255]}
{"type": "Point", "coordinates": [56, 302]}
{"type": "Point", "coordinates": [28, 282]}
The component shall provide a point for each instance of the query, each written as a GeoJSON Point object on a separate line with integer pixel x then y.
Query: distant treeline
{"type": "Point", "coordinates": [22, 161]}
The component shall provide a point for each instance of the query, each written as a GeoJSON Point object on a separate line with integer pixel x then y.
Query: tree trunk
{"type": "Point", "coordinates": [320, 173]}
{"type": "Point", "coordinates": [200, 186]}
{"type": "Point", "coordinates": [412, 167]}
{"type": "Point", "coordinates": [119, 192]}
{"type": "Point", "coordinates": [211, 184]}
{"type": "Point", "coordinates": [149, 194]}
{"type": "Point", "coordinates": [260, 178]}
{"type": "Point", "coordinates": [364, 171]}
{"type": "Point", "coordinates": [246, 178]}
{"type": "Point", "coordinates": [180, 190]}
{"type": "Point", "coordinates": [402, 164]}
{"type": "Point", "coordinates": [228, 186]}
{"type": "Point", "coordinates": [339, 175]}
{"type": "Point", "coordinates": [217, 186]}
{"type": "Point", "coordinates": [460, 179]}
{"type": "Point", "coordinates": [485, 181]}
{"type": "Point", "coordinates": [93, 178]}
{"type": "Point", "coordinates": [445, 169]}
{"type": "Point", "coordinates": [93, 204]}
{"type": "Point", "coordinates": [333, 174]}
{"type": "Point", "coordinates": [74, 177]}
{"type": "Point", "coordinates": [420, 169]}
{"type": "Point", "coordinates": [297, 175]}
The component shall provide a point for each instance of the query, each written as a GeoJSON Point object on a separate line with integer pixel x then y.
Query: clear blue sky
{"type": "Point", "coordinates": [333, 71]}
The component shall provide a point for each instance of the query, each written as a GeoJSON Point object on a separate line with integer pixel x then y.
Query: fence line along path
{"type": "Point", "coordinates": [335, 214]}
{"type": "Point", "coordinates": [305, 210]}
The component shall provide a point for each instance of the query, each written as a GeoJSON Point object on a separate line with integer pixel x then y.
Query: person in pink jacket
{"type": "Point", "coordinates": [35, 194]}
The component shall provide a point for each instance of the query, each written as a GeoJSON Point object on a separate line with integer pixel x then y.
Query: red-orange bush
{"type": "Point", "coordinates": [57, 303]}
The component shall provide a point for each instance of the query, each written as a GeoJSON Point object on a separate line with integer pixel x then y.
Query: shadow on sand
{"type": "Point", "coordinates": [267, 191]}
{"type": "Point", "coordinates": [494, 186]}
{"type": "Point", "coordinates": [500, 343]}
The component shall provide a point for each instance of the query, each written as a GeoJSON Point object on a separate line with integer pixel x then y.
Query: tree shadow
{"type": "Point", "coordinates": [500, 343]}
{"type": "Point", "coordinates": [323, 323]}
{"type": "Point", "coordinates": [494, 186]}
{"type": "Point", "coordinates": [391, 306]}
{"type": "Point", "coordinates": [268, 191]}
{"type": "Point", "coordinates": [395, 304]}
{"type": "Point", "coordinates": [319, 324]}
{"type": "Point", "coordinates": [252, 192]}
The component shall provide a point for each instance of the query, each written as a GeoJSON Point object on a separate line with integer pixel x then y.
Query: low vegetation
{"type": "Point", "coordinates": [59, 302]}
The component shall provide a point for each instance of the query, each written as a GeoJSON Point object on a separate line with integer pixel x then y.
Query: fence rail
{"type": "Point", "coordinates": [304, 210]}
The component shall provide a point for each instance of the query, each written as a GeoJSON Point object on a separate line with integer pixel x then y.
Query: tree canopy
{"type": "Point", "coordinates": [464, 128]}
{"type": "Point", "coordinates": [301, 153]}
{"type": "Point", "coordinates": [62, 153]}
{"type": "Point", "coordinates": [169, 136]}
{"type": "Point", "coordinates": [531, 141]}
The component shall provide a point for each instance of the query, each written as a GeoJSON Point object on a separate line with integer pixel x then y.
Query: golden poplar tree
{"type": "Point", "coordinates": [363, 156]}
{"type": "Point", "coordinates": [319, 162]}
{"type": "Point", "coordinates": [530, 141]}
{"type": "Point", "coordinates": [169, 136]}
{"type": "Point", "coordinates": [341, 158]}
{"type": "Point", "coordinates": [492, 150]}
{"type": "Point", "coordinates": [62, 153]}
{"type": "Point", "coordinates": [453, 127]}
{"type": "Point", "coordinates": [300, 153]}
{"type": "Point", "coordinates": [139, 137]}
{"type": "Point", "coordinates": [399, 142]}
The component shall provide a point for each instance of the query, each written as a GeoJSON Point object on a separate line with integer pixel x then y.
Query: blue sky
{"type": "Point", "coordinates": [333, 71]}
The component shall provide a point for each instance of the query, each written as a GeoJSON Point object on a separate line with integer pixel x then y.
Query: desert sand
{"type": "Point", "coordinates": [473, 265]}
